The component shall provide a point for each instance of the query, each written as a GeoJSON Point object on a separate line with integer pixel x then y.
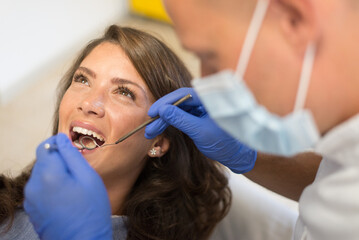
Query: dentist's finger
{"type": "Point", "coordinates": [155, 128]}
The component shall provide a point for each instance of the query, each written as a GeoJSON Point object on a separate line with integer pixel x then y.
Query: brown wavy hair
{"type": "Point", "coordinates": [181, 195]}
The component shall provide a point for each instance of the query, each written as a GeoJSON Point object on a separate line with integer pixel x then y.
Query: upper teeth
{"type": "Point", "coordinates": [85, 131]}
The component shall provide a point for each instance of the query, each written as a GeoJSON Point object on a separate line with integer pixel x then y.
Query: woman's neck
{"type": "Point", "coordinates": [118, 190]}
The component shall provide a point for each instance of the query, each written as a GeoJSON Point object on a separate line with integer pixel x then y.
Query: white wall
{"type": "Point", "coordinates": [37, 35]}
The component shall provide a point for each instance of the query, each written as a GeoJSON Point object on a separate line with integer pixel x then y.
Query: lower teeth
{"type": "Point", "coordinates": [78, 145]}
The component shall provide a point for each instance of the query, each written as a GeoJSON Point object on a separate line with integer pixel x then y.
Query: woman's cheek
{"type": "Point", "coordinates": [128, 122]}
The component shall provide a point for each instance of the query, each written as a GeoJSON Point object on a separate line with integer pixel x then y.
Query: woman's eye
{"type": "Point", "coordinates": [124, 91]}
{"type": "Point", "coordinates": [81, 79]}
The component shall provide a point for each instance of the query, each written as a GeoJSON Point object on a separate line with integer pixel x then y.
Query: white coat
{"type": "Point", "coordinates": [329, 208]}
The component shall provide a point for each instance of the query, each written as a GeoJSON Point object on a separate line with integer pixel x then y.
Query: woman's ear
{"type": "Point", "coordinates": [297, 21]}
{"type": "Point", "coordinates": [159, 147]}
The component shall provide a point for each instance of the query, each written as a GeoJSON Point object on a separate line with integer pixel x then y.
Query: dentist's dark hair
{"type": "Point", "coordinates": [183, 194]}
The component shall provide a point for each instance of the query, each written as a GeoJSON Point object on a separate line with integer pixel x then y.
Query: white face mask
{"type": "Point", "coordinates": [233, 107]}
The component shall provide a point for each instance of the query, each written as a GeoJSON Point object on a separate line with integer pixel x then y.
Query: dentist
{"type": "Point", "coordinates": [294, 87]}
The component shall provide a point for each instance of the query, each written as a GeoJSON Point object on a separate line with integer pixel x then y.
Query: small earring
{"type": "Point", "coordinates": [153, 151]}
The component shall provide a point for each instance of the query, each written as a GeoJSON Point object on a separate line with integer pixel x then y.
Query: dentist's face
{"type": "Point", "coordinates": [109, 98]}
{"type": "Point", "coordinates": [215, 32]}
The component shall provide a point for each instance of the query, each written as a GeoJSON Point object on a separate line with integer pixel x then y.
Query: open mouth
{"type": "Point", "coordinates": [82, 137]}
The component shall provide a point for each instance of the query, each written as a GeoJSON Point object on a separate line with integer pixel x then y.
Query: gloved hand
{"type": "Point", "coordinates": [65, 198]}
{"type": "Point", "coordinates": [191, 118]}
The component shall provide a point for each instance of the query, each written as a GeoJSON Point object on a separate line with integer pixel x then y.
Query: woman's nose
{"type": "Point", "coordinates": [93, 106]}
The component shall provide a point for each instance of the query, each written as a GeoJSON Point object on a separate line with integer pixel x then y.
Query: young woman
{"type": "Point", "coordinates": [161, 188]}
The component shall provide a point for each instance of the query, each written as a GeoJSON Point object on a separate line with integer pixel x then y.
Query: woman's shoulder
{"type": "Point", "coordinates": [21, 228]}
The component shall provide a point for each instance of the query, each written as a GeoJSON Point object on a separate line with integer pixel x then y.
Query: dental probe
{"type": "Point", "coordinates": [54, 147]}
{"type": "Point", "coordinates": [134, 130]}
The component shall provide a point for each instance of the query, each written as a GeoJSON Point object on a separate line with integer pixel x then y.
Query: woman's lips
{"type": "Point", "coordinates": [86, 151]}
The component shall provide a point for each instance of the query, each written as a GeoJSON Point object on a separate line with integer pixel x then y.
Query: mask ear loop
{"type": "Point", "coordinates": [251, 37]}
{"type": "Point", "coordinates": [305, 77]}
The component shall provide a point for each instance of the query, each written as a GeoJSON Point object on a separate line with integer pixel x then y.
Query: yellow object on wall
{"type": "Point", "coordinates": [149, 8]}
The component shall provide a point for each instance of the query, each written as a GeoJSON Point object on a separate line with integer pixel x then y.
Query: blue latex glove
{"type": "Point", "coordinates": [191, 118]}
{"type": "Point", "coordinates": [65, 198]}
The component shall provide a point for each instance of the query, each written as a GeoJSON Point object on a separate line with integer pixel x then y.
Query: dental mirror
{"type": "Point", "coordinates": [90, 143]}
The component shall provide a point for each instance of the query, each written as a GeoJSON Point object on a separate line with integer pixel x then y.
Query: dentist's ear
{"type": "Point", "coordinates": [159, 147]}
{"type": "Point", "coordinates": [297, 21]}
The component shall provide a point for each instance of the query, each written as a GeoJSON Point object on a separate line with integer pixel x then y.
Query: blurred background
{"type": "Point", "coordinates": [39, 40]}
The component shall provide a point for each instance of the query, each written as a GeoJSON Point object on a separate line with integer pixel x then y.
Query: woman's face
{"type": "Point", "coordinates": [108, 97]}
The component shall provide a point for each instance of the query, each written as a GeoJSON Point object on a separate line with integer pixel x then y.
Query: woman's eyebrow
{"type": "Point", "coordinates": [88, 71]}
